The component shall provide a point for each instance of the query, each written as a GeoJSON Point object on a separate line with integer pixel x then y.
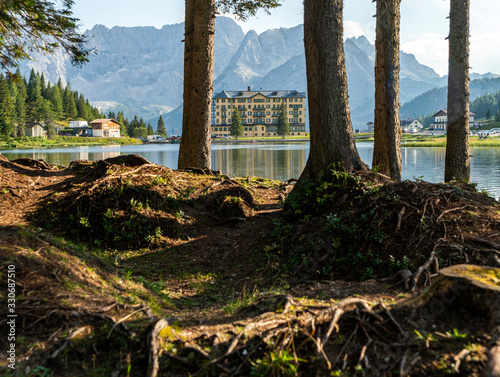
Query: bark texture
{"type": "Point", "coordinates": [457, 161]}
{"type": "Point", "coordinates": [332, 138]}
{"type": "Point", "coordinates": [194, 151]}
{"type": "Point", "coordinates": [387, 131]}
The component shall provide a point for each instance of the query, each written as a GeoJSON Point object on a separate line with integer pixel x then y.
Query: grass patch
{"type": "Point", "coordinates": [64, 141]}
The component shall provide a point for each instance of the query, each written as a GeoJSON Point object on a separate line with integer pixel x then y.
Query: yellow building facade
{"type": "Point", "coordinates": [259, 112]}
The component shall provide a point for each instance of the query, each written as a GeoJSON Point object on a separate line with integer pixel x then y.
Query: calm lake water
{"type": "Point", "coordinates": [278, 160]}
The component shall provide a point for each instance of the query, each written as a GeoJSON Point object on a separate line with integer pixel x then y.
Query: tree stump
{"type": "Point", "coordinates": [468, 285]}
{"type": "Point", "coordinates": [474, 287]}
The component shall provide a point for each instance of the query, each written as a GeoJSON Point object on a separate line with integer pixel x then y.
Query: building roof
{"type": "Point", "coordinates": [98, 121]}
{"type": "Point", "coordinates": [444, 112]}
{"type": "Point", "coordinates": [407, 122]}
{"type": "Point", "coordinates": [34, 124]}
{"type": "Point", "coordinates": [441, 113]}
{"type": "Point", "coordinates": [265, 93]}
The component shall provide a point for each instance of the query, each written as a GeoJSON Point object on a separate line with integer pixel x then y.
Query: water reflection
{"type": "Point", "coordinates": [279, 161]}
{"type": "Point", "coordinates": [270, 161]}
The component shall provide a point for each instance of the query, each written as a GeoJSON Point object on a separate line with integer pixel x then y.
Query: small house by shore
{"type": "Point", "coordinates": [105, 128]}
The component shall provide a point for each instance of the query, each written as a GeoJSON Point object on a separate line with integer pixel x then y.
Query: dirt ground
{"type": "Point", "coordinates": [102, 251]}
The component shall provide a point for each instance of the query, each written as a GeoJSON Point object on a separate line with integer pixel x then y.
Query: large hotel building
{"type": "Point", "coordinates": [259, 111]}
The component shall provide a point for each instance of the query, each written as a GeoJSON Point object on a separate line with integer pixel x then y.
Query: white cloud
{"type": "Point", "coordinates": [430, 49]}
{"type": "Point", "coordinates": [356, 29]}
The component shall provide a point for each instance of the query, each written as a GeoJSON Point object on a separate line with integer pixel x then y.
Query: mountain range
{"type": "Point", "coordinates": [139, 70]}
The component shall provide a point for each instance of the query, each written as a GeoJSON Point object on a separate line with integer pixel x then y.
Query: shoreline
{"type": "Point", "coordinates": [407, 141]}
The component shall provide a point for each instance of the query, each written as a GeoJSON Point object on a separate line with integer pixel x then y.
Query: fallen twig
{"type": "Point", "coordinates": [154, 347]}
{"type": "Point", "coordinates": [451, 210]}
{"type": "Point", "coordinates": [400, 217]}
{"type": "Point", "coordinates": [432, 261]}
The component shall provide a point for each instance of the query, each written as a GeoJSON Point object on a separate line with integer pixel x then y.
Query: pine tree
{"type": "Point", "coordinates": [33, 87]}
{"type": "Point", "coordinates": [457, 158]}
{"type": "Point", "coordinates": [43, 86]}
{"type": "Point", "coordinates": [126, 127]}
{"type": "Point", "coordinates": [387, 128]}
{"type": "Point", "coordinates": [70, 110]}
{"type": "Point", "coordinates": [6, 108]}
{"type": "Point", "coordinates": [39, 25]}
{"type": "Point", "coordinates": [34, 101]}
{"type": "Point", "coordinates": [160, 128]}
{"type": "Point", "coordinates": [236, 128]}
{"type": "Point", "coordinates": [121, 120]}
{"type": "Point", "coordinates": [283, 127]}
{"type": "Point", "coordinates": [194, 150]}
{"type": "Point", "coordinates": [488, 114]}
{"type": "Point", "coordinates": [20, 115]}
{"type": "Point", "coordinates": [331, 137]}
{"type": "Point", "coordinates": [133, 125]}
{"type": "Point", "coordinates": [150, 129]}
{"type": "Point", "coordinates": [81, 107]}
{"type": "Point", "coordinates": [21, 84]}
{"type": "Point", "coordinates": [57, 102]}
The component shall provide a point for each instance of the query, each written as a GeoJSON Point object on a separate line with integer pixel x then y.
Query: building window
{"type": "Point", "coordinates": [223, 101]}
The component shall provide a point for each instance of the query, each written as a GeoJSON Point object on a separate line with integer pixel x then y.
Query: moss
{"type": "Point", "coordinates": [489, 276]}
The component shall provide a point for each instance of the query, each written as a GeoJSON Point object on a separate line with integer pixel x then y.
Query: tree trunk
{"type": "Point", "coordinates": [457, 161]}
{"type": "Point", "coordinates": [194, 151]}
{"type": "Point", "coordinates": [387, 131]}
{"type": "Point", "coordinates": [332, 138]}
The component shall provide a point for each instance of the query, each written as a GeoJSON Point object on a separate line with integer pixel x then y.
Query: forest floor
{"type": "Point", "coordinates": [127, 268]}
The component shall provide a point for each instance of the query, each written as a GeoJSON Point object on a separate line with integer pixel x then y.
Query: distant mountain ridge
{"type": "Point", "coordinates": [436, 98]}
{"type": "Point", "coordinates": [140, 69]}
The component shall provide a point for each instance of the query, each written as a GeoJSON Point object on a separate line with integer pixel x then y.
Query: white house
{"type": "Point", "coordinates": [35, 130]}
{"type": "Point", "coordinates": [411, 126]}
{"type": "Point", "coordinates": [441, 120]}
{"type": "Point", "coordinates": [78, 123]}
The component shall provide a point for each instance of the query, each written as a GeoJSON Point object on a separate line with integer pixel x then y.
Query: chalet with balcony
{"type": "Point", "coordinates": [105, 128]}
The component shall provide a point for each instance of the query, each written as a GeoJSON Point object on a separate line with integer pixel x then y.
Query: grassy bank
{"type": "Point", "coordinates": [440, 141]}
{"type": "Point", "coordinates": [64, 141]}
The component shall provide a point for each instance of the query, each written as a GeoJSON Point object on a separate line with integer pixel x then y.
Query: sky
{"type": "Point", "coordinates": [424, 24]}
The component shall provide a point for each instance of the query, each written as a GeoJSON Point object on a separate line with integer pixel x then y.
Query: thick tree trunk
{"type": "Point", "coordinates": [457, 162]}
{"type": "Point", "coordinates": [332, 138]}
{"type": "Point", "coordinates": [194, 151]}
{"type": "Point", "coordinates": [387, 131]}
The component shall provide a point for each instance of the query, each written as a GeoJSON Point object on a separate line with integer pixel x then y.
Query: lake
{"type": "Point", "coordinates": [276, 160]}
